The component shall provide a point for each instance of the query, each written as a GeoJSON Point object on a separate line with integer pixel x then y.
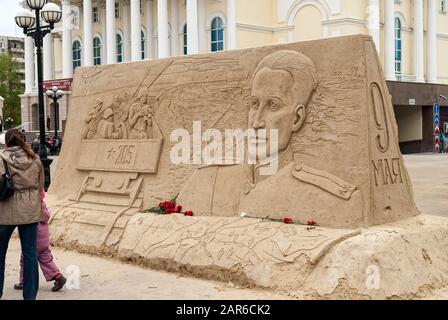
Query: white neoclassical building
{"type": "Point", "coordinates": [411, 37]}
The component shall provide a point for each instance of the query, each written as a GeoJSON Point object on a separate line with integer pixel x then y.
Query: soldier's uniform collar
{"type": "Point", "coordinates": [285, 158]}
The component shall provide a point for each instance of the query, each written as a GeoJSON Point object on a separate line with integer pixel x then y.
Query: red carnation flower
{"type": "Point", "coordinates": [312, 223]}
{"type": "Point", "coordinates": [188, 213]}
{"type": "Point", "coordinates": [161, 204]}
{"type": "Point", "coordinates": [287, 220]}
{"type": "Point", "coordinates": [178, 209]}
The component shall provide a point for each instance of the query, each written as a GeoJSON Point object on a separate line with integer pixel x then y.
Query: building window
{"type": "Point", "coordinates": [143, 42]}
{"type": "Point", "coordinates": [96, 51]}
{"type": "Point", "coordinates": [95, 14]}
{"type": "Point", "coordinates": [117, 10]}
{"type": "Point", "coordinates": [398, 47]}
{"type": "Point", "coordinates": [217, 35]}
{"type": "Point", "coordinates": [76, 49]}
{"type": "Point", "coordinates": [185, 40]}
{"type": "Point", "coordinates": [119, 48]}
{"type": "Point", "coordinates": [443, 6]}
{"type": "Point", "coordinates": [74, 14]}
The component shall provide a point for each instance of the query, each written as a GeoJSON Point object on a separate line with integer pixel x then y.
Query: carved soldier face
{"type": "Point", "coordinates": [275, 106]}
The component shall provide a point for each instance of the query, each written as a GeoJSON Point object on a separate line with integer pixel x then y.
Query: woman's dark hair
{"type": "Point", "coordinates": [15, 138]}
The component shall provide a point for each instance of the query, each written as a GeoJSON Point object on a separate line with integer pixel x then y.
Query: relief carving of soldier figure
{"type": "Point", "coordinates": [140, 119]}
{"type": "Point", "coordinates": [106, 126]}
{"type": "Point", "coordinates": [94, 118]}
{"type": "Point", "coordinates": [121, 118]}
{"type": "Point", "coordinates": [282, 87]}
{"type": "Point", "coordinates": [120, 121]}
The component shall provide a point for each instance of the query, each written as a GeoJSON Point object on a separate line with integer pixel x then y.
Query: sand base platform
{"type": "Point", "coordinates": [402, 260]}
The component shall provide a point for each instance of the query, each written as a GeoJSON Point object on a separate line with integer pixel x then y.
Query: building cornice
{"type": "Point", "coordinates": [250, 27]}
{"type": "Point", "coordinates": [443, 36]}
{"type": "Point", "coordinates": [344, 21]}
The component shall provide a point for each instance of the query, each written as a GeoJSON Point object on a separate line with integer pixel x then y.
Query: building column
{"type": "Point", "coordinates": [432, 41]}
{"type": "Point", "coordinates": [162, 26]}
{"type": "Point", "coordinates": [48, 57]}
{"type": "Point", "coordinates": [126, 31]}
{"type": "Point", "coordinates": [231, 24]}
{"type": "Point", "coordinates": [174, 29]}
{"type": "Point", "coordinates": [192, 26]}
{"type": "Point", "coordinates": [29, 65]}
{"type": "Point", "coordinates": [87, 46]}
{"type": "Point", "coordinates": [103, 21]}
{"type": "Point", "coordinates": [374, 22]}
{"type": "Point", "coordinates": [149, 30]}
{"type": "Point", "coordinates": [67, 58]}
{"type": "Point", "coordinates": [389, 40]}
{"type": "Point", "coordinates": [111, 32]}
{"type": "Point", "coordinates": [201, 26]}
{"type": "Point", "coordinates": [419, 61]}
{"type": "Point", "coordinates": [135, 31]}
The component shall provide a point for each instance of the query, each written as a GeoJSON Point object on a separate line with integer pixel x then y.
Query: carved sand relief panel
{"type": "Point", "coordinates": [338, 161]}
{"type": "Point", "coordinates": [386, 171]}
{"type": "Point", "coordinates": [140, 156]}
{"type": "Point", "coordinates": [391, 189]}
{"type": "Point", "coordinates": [227, 242]}
{"type": "Point", "coordinates": [122, 142]}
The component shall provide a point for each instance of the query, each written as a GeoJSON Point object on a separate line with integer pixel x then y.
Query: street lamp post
{"type": "Point", "coordinates": [9, 121]}
{"type": "Point", "coordinates": [55, 94]}
{"type": "Point", "coordinates": [31, 25]}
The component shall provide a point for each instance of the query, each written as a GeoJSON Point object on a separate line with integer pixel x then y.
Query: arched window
{"type": "Point", "coordinates": [185, 40]}
{"type": "Point", "coordinates": [96, 51]}
{"type": "Point", "coordinates": [217, 36]}
{"type": "Point", "coordinates": [143, 42]}
{"type": "Point", "coordinates": [76, 49]}
{"type": "Point", "coordinates": [443, 6]}
{"type": "Point", "coordinates": [119, 48]}
{"type": "Point", "coordinates": [398, 46]}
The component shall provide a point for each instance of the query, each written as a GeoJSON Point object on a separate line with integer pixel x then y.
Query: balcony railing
{"type": "Point", "coordinates": [406, 77]}
{"type": "Point", "coordinates": [15, 49]}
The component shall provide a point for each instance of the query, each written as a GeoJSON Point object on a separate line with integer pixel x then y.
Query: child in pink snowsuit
{"type": "Point", "coordinates": [49, 269]}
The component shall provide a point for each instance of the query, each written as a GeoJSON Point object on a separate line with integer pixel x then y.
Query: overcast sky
{"type": "Point", "coordinates": [8, 10]}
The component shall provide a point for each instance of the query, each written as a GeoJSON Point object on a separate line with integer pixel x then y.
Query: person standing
{"type": "Point", "coordinates": [444, 142]}
{"type": "Point", "coordinates": [23, 209]}
{"type": "Point", "coordinates": [47, 265]}
{"type": "Point", "coordinates": [35, 145]}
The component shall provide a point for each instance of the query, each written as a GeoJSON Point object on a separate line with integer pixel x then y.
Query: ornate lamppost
{"type": "Point", "coordinates": [32, 27]}
{"type": "Point", "coordinates": [55, 94]}
{"type": "Point", "coordinates": [9, 121]}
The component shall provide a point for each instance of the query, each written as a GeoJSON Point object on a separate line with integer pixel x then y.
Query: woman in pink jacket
{"type": "Point", "coordinates": [47, 265]}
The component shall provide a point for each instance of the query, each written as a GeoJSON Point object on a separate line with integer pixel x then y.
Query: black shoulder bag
{"type": "Point", "coordinates": [6, 184]}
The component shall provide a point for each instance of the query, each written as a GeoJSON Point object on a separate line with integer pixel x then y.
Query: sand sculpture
{"type": "Point", "coordinates": [339, 164]}
{"type": "Point", "coordinates": [282, 88]}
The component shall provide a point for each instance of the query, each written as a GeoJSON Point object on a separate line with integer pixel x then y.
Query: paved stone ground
{"type": "Point", "coordinates": [429, 175]}
{"type": "Point", "coordinates": [107, 279]}
{"type": "Point", "coordinates": [103, 279]}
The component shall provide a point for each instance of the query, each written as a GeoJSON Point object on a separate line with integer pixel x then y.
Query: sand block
{"type": "Point", "coordinates": [338, 160]}
{"type": "Point", "coordinates": [338, 164]}
{"type": "Point", "coordinates": [249, 251]}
